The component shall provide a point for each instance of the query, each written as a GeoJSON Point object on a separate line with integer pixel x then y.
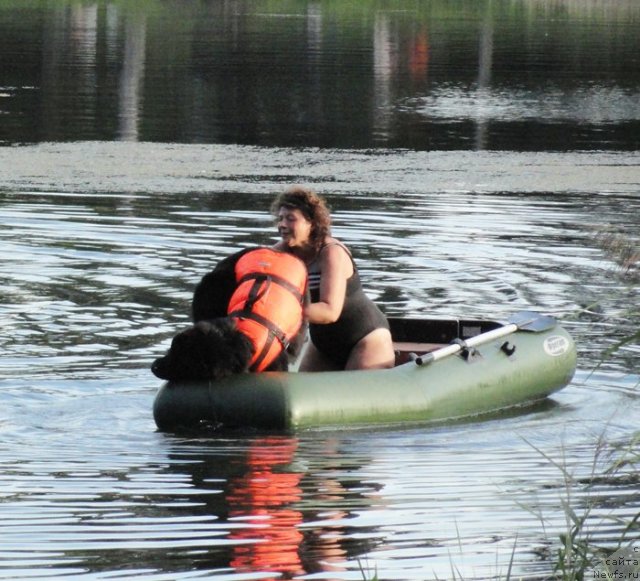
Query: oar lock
{"type": "Point", "coordinates": [469, 353]}
{"type": "Point", "coordinates": [466, 352]}
{"type": "Point", "coordinates": [508, 349]}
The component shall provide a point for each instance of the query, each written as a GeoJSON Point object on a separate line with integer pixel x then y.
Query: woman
{"type": "Point", "coordinates": [347, 329]}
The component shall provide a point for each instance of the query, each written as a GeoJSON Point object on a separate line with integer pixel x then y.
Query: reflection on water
{"type": "Point", "coordinates": [599, 106]}
{"type": "Point", "coordinates": [131, 79]}
{"type": "Point", "coordinates": [273, 526]}
{"type": "Point", "coordinates": [260, 504]}
{"type": "Point", "coordinates": [552, 75]}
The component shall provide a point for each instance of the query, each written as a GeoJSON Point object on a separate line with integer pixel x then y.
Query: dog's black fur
{"type": "Point", "coordinates": [213, 347]}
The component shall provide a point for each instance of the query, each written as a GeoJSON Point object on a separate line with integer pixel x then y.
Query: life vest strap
{"type": "Point", "coordinates": [274, 332]}
{"type": "Point", "coordinates": [283, 282]}
{"type": "Point", "coordinates": [263, 353]}
{"type": "Point", "coordinates": [261, 284]}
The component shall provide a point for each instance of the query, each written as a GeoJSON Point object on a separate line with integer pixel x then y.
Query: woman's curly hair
{"type": "Point", "coordinates": [313, 207]}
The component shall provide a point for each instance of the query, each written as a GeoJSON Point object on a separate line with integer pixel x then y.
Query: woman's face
{"type": "Point", "coordinates": [293, 227]}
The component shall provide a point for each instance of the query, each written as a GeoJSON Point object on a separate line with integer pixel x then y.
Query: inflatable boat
{"type": "Point", "coordinates": [445, 369]}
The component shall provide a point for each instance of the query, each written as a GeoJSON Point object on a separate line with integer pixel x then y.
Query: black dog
{"type": "Point", "coordinates": [220, 343]}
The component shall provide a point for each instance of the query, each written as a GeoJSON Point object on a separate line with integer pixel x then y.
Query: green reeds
{"type": "Point", "coordinates": [366, 575]}
{"type": "Point", "coordinates": [622, 248]}
{"type": "Point", "coordinates": [580, 552]}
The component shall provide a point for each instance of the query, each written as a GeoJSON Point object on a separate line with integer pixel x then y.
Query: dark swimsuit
{"type": "Point", "coordinates": [358, 318]}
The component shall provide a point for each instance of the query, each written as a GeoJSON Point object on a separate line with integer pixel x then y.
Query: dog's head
{"type": "Point", "coordinates": [210, 350]}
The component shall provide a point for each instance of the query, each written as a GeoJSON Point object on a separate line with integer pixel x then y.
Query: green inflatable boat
{"type": "Point", "coordinates": [446, 369]}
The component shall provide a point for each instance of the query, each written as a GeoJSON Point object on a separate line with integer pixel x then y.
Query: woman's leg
{"type": "Point", "coordinates": [373, 351]}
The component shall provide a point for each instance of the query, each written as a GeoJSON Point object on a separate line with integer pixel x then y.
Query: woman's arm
{"type": "Point", "coordinates": [336, 268]}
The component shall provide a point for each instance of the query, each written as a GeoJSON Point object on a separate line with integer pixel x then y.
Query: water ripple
{"type": "Point", "coordinates": [96, 283]}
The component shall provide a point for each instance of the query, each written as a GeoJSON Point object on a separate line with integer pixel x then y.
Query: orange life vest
{"type": "Point", "coordinates": [267, 303]}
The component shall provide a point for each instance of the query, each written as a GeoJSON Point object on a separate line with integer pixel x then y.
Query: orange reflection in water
{"type": "Point", "coordinates": [419, 56]}
{"type": "Point", "coordinates": [260, 502]}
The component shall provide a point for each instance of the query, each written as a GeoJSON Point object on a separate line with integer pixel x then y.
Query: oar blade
{"type": "Point", "coordinates": [532, 321]}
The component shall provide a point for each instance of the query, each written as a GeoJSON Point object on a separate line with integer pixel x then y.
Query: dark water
{"type": "Point", "coordinates": [145, 141]}
{"type": "Point", "coordinates": [531, 75]}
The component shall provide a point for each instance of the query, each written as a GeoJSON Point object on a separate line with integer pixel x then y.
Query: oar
{"type": "Point", "coordinates": [521, 321]}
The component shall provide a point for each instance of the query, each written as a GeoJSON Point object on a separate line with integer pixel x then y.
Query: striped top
{"type": "Point", "coordinates": [313, 269]}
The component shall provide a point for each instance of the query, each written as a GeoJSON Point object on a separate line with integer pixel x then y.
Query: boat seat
{"type": "Point", "coordinates": [407, 350]}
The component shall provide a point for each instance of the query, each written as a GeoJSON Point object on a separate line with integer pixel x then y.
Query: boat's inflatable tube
{"type": "Point", "coordinates": [530, 367]}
